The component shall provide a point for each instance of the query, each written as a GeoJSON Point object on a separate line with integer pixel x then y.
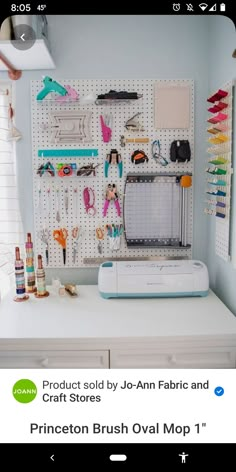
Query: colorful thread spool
{"type": "Point", "coordinates": [30, 273]}
{"type": "Point", "coordinates": [19, 278]}
{"type": "Point", "coordinates": [41, 282]}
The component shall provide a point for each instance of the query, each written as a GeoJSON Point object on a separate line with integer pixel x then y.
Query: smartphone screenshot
{"type": "Point", "coordinates": [117, 235]}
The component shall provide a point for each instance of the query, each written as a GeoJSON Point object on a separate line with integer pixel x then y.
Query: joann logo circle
{"type": "Point", "coordinates": [24, 391]}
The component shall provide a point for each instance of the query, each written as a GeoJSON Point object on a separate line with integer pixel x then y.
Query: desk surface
{"type": "Point", "coordinates": [90, 316]}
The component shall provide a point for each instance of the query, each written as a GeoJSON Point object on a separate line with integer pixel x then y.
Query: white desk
{"type": "Point", "coordinates": [89, 331]}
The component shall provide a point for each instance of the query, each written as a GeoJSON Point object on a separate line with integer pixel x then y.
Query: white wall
{"type": "Point", "coordinates": [222, 67]}
{"type": "Point", "coordinates": [122, 46]}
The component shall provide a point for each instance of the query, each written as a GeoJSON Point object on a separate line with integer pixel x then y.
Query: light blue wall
{"type": "Point", "coordinates": [122, 46]}
{"type": "Point", "coordinates": [222, 67]}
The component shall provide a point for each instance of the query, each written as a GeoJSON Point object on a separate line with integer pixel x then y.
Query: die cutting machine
{"type": "Point", "coordinates": [150, 279]}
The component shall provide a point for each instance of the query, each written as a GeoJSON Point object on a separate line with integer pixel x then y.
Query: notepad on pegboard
{"type": "Point", "coordinates": [171, 106]}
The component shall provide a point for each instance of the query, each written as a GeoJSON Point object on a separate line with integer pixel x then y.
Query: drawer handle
{"type": "Point", "coordinates": [172, 359]}
{"type": "Point", "coordinates": [44, 362]}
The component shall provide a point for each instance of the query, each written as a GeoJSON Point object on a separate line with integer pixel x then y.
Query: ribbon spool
{"type": "Point", "coordinates": [41, 282]}
{"type": "Point", "coordinates": [30, 273]}
{"type": "Point", "coordinates": [19, 278]}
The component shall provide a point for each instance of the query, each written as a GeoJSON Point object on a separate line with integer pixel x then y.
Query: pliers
{"type": "Point", "coordinates": [111, 194]}
{"type": "Point", "coordinates": [113, 158]}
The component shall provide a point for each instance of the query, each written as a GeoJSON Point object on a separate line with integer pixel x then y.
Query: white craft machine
{"type": "Point", "coordinates": [149, 279]}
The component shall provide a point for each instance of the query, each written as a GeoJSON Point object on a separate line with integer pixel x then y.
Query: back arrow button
{"type": "Point", "coordinates": [52, 457]}
{"type": "Point", "coordinates": [24, 37]}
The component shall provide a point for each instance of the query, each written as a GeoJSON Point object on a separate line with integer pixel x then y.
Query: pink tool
{"type": "Point", "coordinates": [89, 200]}
{"type": "Point", "coordinates": [71, 95]}
{"type": "Point", "coordinates": [106, 127]}
{"type": "Point", "coordinates": [111, 194]}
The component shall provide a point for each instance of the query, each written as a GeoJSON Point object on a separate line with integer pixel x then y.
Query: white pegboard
{"type": "Point", "coordinates": [121, 112]}
{"type": "Point", "coordinates": [222, 228]}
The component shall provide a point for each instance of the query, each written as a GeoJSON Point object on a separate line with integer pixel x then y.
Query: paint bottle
{"type": "Point", "coordinates": [41, 281]}
{"type": "Point", "coordinates": [19, 278]}
{"type": "Point", "coordinates": [30, 273]}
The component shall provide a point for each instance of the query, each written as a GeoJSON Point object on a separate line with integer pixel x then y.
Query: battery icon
{"type": "Point", "coordinates": [222, 7]}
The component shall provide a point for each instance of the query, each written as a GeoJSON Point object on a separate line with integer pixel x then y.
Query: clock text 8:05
{"type": "Point", "coordinates": [21, 7]}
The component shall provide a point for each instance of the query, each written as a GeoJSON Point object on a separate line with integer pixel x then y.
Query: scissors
{"type": "Point", "coordinates": [61, 235]}
{"type": "Point", "coordinates": [44, 235]}
{"type": "Point", "coordinates": [76, 234]}
{"type": "Point", "coordinates": [99, 236]}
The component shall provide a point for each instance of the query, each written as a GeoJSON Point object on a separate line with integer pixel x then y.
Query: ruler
{"type": "Point", "coordinates": [67, 152]}
{"type": "Point", "coordinates": [100, 260]}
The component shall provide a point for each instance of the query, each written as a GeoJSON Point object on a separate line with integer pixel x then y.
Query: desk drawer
{"type": "Point", "coordinates": [202, 358]}
{"type": "Point", "coordinates": [54, 359]}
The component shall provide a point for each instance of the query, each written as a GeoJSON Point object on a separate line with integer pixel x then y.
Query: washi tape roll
{"type": "Point", "coordinates": [19, 278]}
{"type": "Point", "coordinates": [41, 280]}
{"type": "Point", "coordinates": [30, 272]}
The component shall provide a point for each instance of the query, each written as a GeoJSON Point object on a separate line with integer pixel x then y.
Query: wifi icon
{"type": "Point", "coordinates": [203, 6]}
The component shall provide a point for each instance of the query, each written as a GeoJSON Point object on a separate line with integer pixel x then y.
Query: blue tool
{"type": "Point", "coordinates": [51, 85]}
{"type": "Point", "coordinates": [67, 152]}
